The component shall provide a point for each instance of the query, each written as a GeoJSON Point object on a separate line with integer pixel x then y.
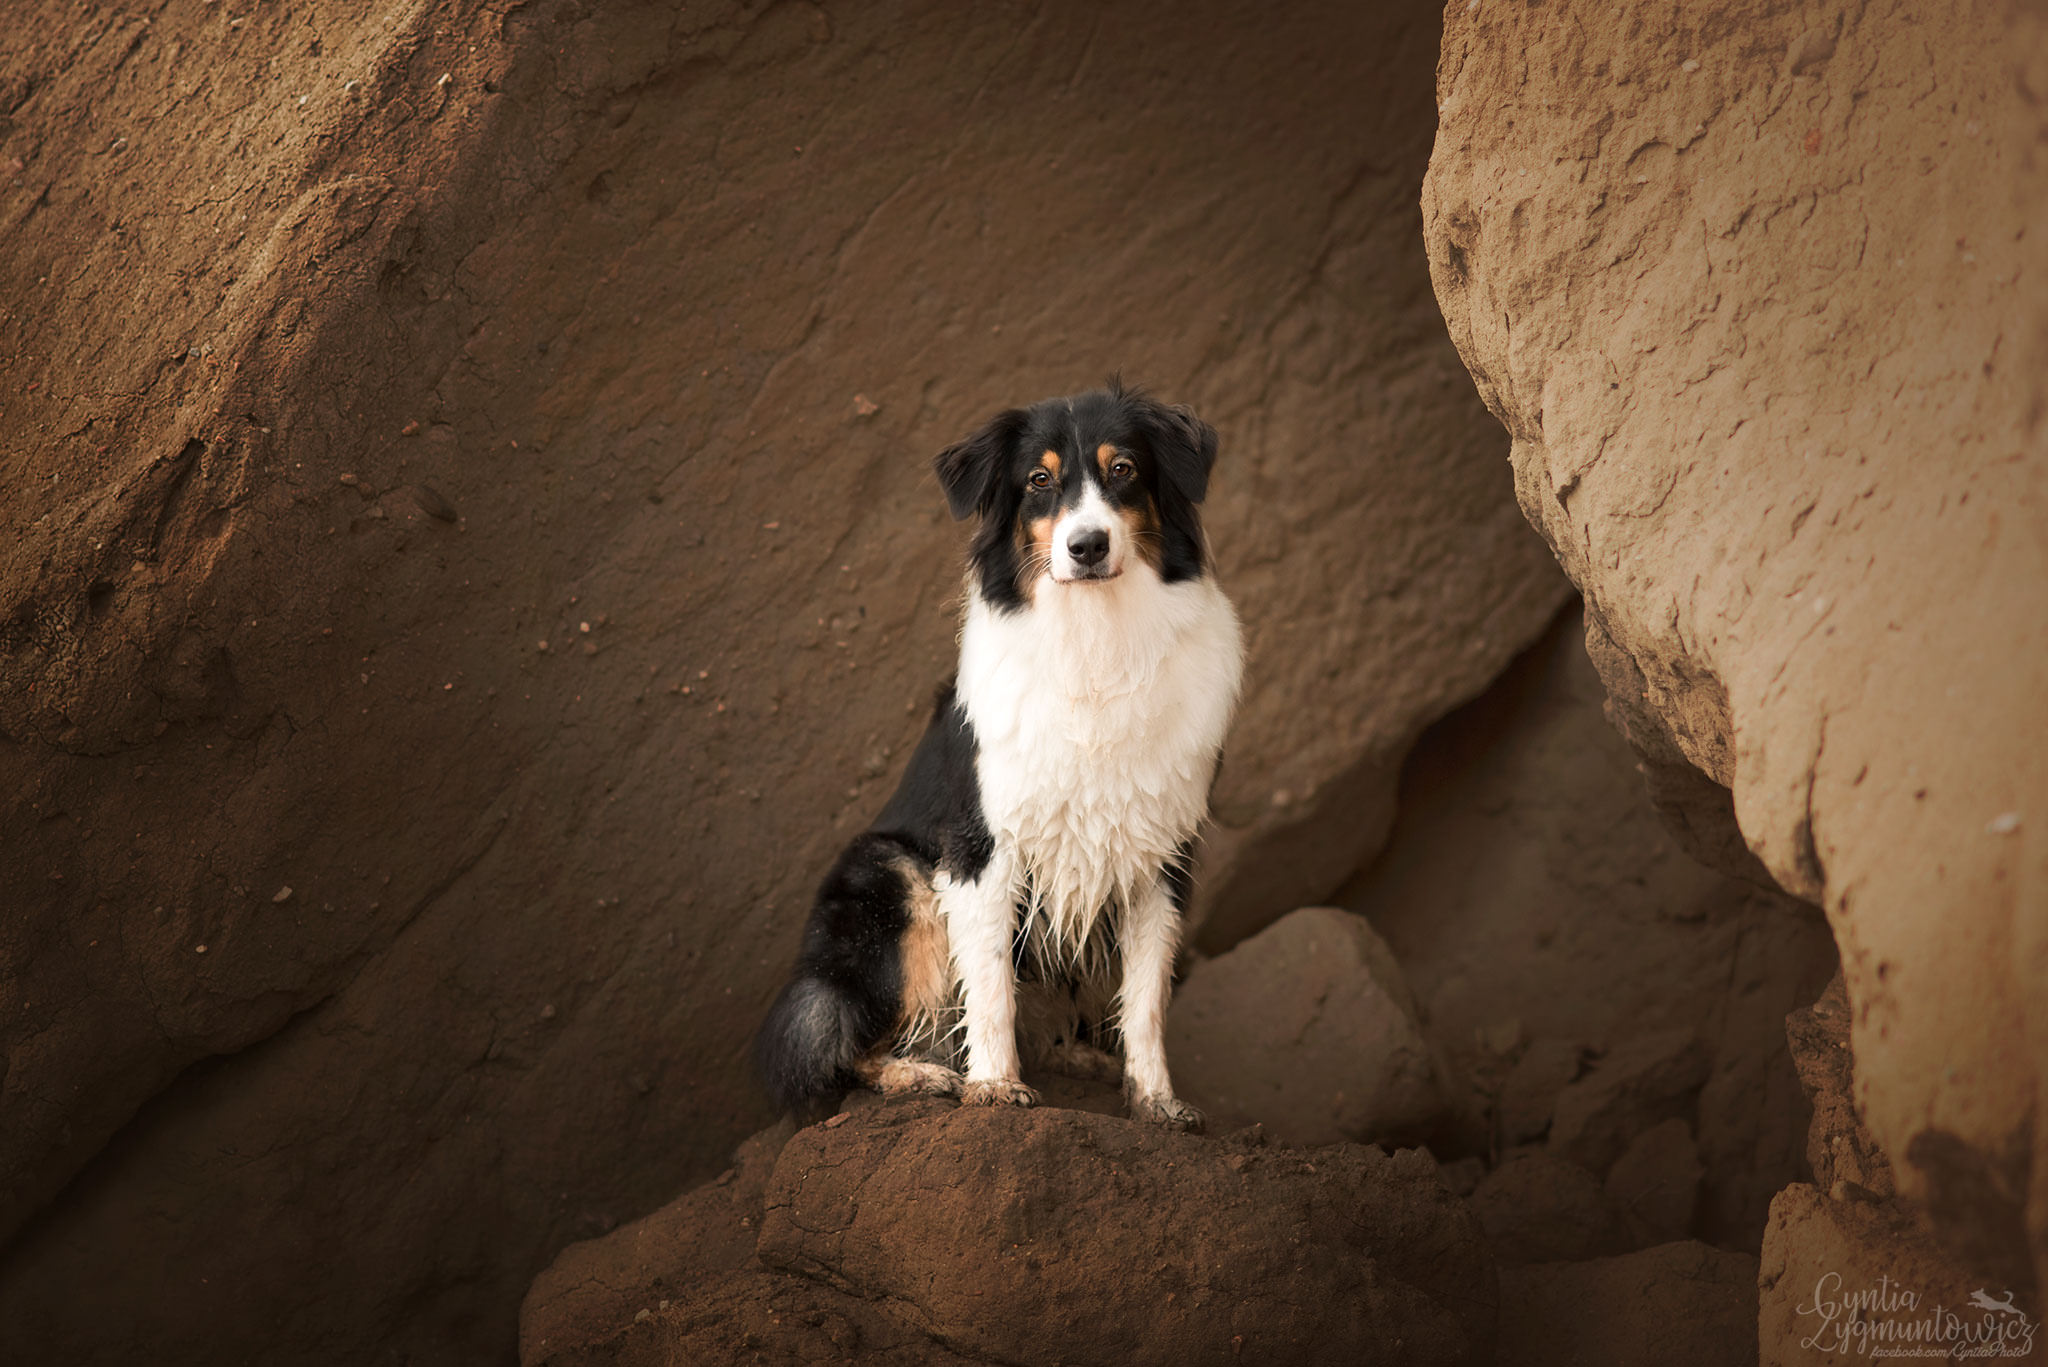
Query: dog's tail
{"type": "Point", "coordinates": [808, 1045]}
{"type": "Point", "coordinates": [848, 987]}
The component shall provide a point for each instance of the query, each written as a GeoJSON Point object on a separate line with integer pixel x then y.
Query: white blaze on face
{"type": "Point", "coordinates": [1091, 518]}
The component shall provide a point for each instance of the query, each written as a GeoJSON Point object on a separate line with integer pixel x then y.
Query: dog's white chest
{"type": "Point", "coordinates": [1099, 711]}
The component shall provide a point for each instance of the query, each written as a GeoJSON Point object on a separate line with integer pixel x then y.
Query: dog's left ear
{"type": "Point", "coordinates": [1183, 445]}
{"type": "Point", "coordinates": [969, 470]}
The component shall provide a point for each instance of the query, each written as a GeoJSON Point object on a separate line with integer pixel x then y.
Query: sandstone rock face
{"type": "Point", "coordinates": [1309, 1029]}
{"type": "Point", "coordinates": [471, 560]}
{"type": "Point", "coordinates": [1758, 295]}
{"type": "Point", "coordinates": [1037, 1237]}
{"type": "Point", "coordinates": [1840, 1276]}
{"type": "Point", "coordinates": [1839, 1146]}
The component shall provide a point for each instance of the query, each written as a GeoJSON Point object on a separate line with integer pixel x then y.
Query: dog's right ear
{"type": "Point", "coordinates": [970, 470]}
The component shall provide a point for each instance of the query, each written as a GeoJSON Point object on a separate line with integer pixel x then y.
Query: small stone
{"type": "Point", "coordinates": [199, 949]}
{"type": "Point", "coordinates": [865, 406]}
{"type": "Point", "coordinates": [547, 1013]}
{"type": "Point", "coordinates": [283, 894]}
{"type": "Point", "coordinates": [432, 504]}
{"type": "Point", "coordinates": [411, 429]}
{"type": "Point", "coordinates": [2005, 823]}
{"type": "Point", "coordinates": [1689, 65]}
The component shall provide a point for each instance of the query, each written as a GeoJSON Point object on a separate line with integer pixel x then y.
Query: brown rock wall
{"type": "Point", "coordinates": [350, 359]}
{"type": "Point", "coordinates": [1754, 292]}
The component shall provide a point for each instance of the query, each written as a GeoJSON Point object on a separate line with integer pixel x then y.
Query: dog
{"type": "Point", "coordinates": [1030, 873]}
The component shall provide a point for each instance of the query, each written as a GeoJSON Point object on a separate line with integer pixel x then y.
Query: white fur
{"type": "Point", "coordinates": [1099, 710]}
{"type": "Point", "coordinates": [1091, 514]}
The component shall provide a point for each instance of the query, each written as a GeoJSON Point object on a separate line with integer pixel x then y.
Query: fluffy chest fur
{"type": "Point", "coordinates": [1099, 711]}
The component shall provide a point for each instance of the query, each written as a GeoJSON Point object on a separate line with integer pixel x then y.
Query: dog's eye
{"type": "Point", "coordinates": [1041, 478]}
{"type": "Point", "coordinates": [1122, 469]}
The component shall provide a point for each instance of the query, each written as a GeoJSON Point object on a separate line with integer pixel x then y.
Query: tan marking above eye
{"type": "Point", "coordinates": [1050, 463]}
{"type": "Point", "coordinates": [1104, 454]}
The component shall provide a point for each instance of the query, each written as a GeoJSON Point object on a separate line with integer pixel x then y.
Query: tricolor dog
{"type": "Point", "coordinates": [1030, 872]}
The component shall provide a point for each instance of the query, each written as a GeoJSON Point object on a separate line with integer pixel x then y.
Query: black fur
{"type": "Point", "coordinates": [987, 473]}
{"type": "Point", "coordinates": [847, 993]}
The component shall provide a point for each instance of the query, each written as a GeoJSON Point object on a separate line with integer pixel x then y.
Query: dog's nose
{"type": "Point", "coordinates": [1089, 547]}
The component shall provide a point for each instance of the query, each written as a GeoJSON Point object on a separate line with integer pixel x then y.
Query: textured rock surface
{"type": "Point", "coordinates": [1046, 1236]}
{"type": "Point", "coordinates": [1546, 918]}
{"type": "Point", "coordinates": [1680, 1302]}
{"type": "Point", "coordinates": [1758, 296]}
{"type": "Point", "coordinates": [1309, 1029]}
{"type": "Point", "coordinates": [350, 359]}
{"type": "Point", "coordinates": [1839, 1146]}
{"type": "Point", "coordinates": [1841, 1276]}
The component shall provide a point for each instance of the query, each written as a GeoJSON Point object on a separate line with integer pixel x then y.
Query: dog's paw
{"type": "Point", "coordinates": [1001, 1091]}
{"type": "Point", "coordinates": [915, 1077]}
{"type": "Point", "coordinates": [1167, 1110]}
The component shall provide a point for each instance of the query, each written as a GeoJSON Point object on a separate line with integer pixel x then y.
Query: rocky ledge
{"type": "Point", "coordinates": [915, 1231]}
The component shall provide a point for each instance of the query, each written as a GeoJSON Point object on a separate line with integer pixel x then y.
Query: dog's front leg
{"type": "Point", "coordinates": [981, 919]}
{"type": "Point", "coordinates": [1150, 937]}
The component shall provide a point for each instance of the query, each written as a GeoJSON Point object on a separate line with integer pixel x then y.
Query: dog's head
{"type": "Point", "coordinates": [1075, 493]}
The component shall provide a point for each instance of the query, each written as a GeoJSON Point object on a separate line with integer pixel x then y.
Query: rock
{"type": "Point", "coordinates": [1655, 1184]}
{"type": "Point", "coordinates": [1046, 1237]}
{"type": "Point", "coordinates": [595, 1287]}
{"type": "Point", "coordinates": [1309, 1029]}
{"type": "Point", "coordinates": [1841, 1276]}
{"type": "Point", "coordinates": [1678, 1302]}
{"type": "Point", "coordinates": [1527, 885]}
{"type": "Point", "coordinates": [1635, 1085]}
{"type": "Point", "coordinates": [554, 265]}
{"type": "Point", "coordinates": [1529, 1095]}
{"type": "Point", "coordinates": [1768, 335]}
{"type": "Point", "coordinates": [1839, 1146]}
{"type": "Point", "coordinates": [749, 1317]}
{"type": "Point", "coordinates": [1538, 1208]}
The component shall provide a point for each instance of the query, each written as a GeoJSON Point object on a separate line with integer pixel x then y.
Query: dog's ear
{"type": "Point", "coordinates": [970, 470]}
{"type": "Point", "coordinates": [1182, 444]}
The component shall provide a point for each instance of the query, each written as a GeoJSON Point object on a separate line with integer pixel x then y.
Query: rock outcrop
{"type": "Point", "coordinates": [1034, 1237]}
{"type": "Point", "coordinates": [1308, 1028]}
{"type": "Point", "coordinates": [1758, 294]}
{"type": "Point", "coordinates": [1581, 979]}
{"type": "Point", "coordinates": [471, 559]}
